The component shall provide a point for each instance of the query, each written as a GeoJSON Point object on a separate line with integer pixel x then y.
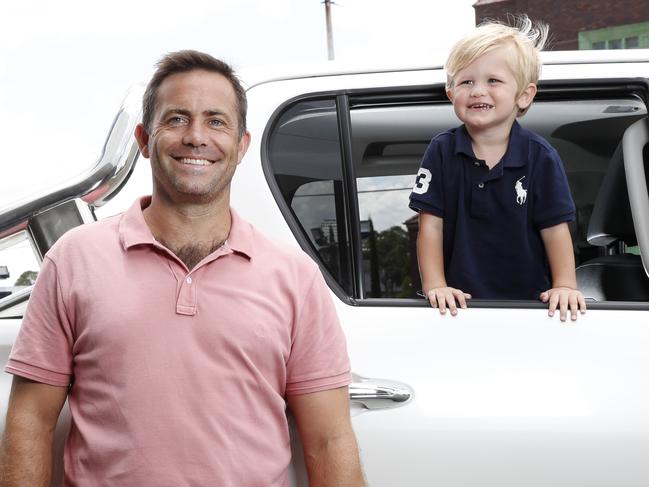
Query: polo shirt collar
{"type": "Point", "coordinates": [133, 230]}
{"type": "Point", "coordinates": [517, 149]}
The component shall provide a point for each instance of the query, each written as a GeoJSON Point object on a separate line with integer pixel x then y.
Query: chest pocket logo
{"type": "Point", "coordinates": [521, 193]}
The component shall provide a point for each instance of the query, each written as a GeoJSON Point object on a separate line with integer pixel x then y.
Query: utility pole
{"type": "Point", "coordinates": [330, 35]}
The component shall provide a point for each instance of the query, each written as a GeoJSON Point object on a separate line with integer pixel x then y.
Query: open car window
{"type": "Point", "coordinates": [344, 166]}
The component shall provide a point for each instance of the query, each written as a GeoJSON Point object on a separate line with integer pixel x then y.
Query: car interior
{"type": "Point", "coordinates": [387, 139]}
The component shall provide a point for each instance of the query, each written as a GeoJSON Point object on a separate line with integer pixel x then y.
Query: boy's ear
{"type": "Point", "coordinates": [449, 94]}
{"type": "Point", "coordinates": [526, 96]}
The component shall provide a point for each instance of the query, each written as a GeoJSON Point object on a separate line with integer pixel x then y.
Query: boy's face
{"type": "Point", "coordinates": [485, 94]}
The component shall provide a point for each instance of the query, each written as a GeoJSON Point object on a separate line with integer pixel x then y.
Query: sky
{"type": "Point", "coordinates": [66, 65]}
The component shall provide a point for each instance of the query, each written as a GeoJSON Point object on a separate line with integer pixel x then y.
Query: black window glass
{"type": "Point", "coordinates": [305, 158]}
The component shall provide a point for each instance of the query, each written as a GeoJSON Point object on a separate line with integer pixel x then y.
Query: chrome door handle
{"type": "Point", "coordinates": [378, 393]}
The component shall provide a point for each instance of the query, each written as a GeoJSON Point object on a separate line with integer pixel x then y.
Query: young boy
{"type": "Point", "coordinates": [492, 197]}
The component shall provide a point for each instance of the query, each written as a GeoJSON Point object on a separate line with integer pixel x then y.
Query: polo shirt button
{"type": "Point", "coordinates": [480, 185]}
{"type": "Point", "coordinates": [476, 163]}
{"type": "Point", "coordinates": [188, 280]}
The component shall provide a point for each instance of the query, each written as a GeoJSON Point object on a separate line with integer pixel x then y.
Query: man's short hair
{"type": "Point", "coordinates": [526, 40]}
{"type": "Point", "coordinates": [183, 62]}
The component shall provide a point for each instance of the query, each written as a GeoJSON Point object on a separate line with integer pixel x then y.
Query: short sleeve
{"type": "Point", "coordinates": [553, 200]}
{"type": "Point", "coordinates": [318, 360]}
{"type": "Point", "coordinates": [43, 349]}
{"type": "Point", "coordinates": [427, 193]}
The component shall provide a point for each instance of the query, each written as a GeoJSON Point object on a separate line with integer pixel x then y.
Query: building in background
{"type": "Point", "coordinates": [578, 24]}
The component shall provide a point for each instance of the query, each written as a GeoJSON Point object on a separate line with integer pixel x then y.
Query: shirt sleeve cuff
{"type": "Point", "coordinates": [37, 374]}
{"type": "Point", "coordinates": [550, 222]}
{"type": "Point", "coordinates": [419, 206]}
{"type": "Point", "coordinates": [316, 385]}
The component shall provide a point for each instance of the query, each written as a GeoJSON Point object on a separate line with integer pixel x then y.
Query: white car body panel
{"type": "Point", "coordinates": [502, 396]}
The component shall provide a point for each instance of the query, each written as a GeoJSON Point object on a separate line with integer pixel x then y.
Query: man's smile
{"type": "Point", "coordinates": [194, 162]}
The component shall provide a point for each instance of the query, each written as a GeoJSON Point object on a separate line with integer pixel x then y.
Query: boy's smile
{"type": "Point", "coordinates": [485, 94]}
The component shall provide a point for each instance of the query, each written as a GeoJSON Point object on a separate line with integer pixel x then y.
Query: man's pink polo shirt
{"type": "Point", "coordinates": [178, 378]}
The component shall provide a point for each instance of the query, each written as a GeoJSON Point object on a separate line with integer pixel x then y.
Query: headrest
{"type": "Point", "coordinates": [611, 219]}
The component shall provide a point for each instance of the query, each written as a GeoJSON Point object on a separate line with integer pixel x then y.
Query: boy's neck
{"type": "Point", "coordinates": [491, 144]}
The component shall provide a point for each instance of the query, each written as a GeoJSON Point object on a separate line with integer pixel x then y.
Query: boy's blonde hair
{"type": "Point", "coordinates": [526, 39]}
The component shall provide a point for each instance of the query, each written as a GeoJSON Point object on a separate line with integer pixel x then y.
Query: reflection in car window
{"type": "Point", "coordinates": [388, 236]}
{"type": "Point", "coordinates": [305, 157]}
{"type": "Point", "coordinates": [18, 264]}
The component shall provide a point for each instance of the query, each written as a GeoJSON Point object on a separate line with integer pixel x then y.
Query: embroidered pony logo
{"type": "Point", "coordinates": [521, 194]}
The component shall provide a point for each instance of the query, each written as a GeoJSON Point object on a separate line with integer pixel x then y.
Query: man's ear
{"type": "Point", "coordinates": [142, 138]}
{"type": "Point", "coordinates": [244, 143]}
{"type": "Point", "coordinates": [527, 95]}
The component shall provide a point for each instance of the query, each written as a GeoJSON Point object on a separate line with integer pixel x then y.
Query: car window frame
{"type": "Point", "coordinates": [347, 99]}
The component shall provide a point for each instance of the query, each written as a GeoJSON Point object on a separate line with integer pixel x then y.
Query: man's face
{"type": "Point", "coordinates": [194, 144]}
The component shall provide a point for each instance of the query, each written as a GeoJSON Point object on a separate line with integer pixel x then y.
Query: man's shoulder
{"type": "Point", "coordinates": [88, 236]}
{"type": "Point", "coordinates": [280, 255]}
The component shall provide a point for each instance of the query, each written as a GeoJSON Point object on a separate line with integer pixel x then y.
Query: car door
{"type": "Point", "coordinates": [502, 394]}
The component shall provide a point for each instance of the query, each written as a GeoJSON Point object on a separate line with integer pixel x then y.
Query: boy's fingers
{"type": "Point", "coordinates": [544, 296]}
{"type": "Point", "coordinates": [553, 302]}
{"type": "Point", "coordinates": [450, 300]}
{"type": "Point", "coordinates": [432, 299]}
{"type": "Point", "coordinates": [461, 299]}
{"type": "Point", "coordinates": [441, 304]}
{"type": "Point", "coordinates": [574, 306]}
{"type": "Point", "coordinates": [582, 303]}
{"type": "Point", "coordinates": [563, 307]}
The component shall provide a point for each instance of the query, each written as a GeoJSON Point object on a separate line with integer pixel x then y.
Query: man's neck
{"type": "Point", "coordinates": [190, 230]}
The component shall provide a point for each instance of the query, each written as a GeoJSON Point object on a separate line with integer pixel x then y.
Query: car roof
{"type": "Point", "coordinates": [253, 76]}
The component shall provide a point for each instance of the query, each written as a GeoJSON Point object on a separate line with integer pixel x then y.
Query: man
{"type": "Point", "coordinates": [176, 330]}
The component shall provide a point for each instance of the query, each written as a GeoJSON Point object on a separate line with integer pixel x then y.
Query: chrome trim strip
{"type": "Point", "coordinates": [97, 185]}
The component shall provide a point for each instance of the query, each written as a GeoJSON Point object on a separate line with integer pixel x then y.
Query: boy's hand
{"type": "Point", "coordinates": [564, 298]}
{"type": "Point", "coordinates": [443, 297]}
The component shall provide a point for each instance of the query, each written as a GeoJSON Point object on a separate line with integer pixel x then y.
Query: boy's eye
{"type": "Point", "coordinates": [493, 81]}
{"type": "Point", "coordinates": [468, 82]}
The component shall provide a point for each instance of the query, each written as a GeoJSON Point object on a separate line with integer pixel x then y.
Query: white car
{"type": "Point", "coordinates": [501, 395]}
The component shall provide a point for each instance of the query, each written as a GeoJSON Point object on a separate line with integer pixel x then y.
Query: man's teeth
{"type": "Point", "coordinates": [195, 162]}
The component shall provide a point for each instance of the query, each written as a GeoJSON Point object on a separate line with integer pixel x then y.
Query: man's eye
{"type": "Point", "coordinates": [216, 122]}
{"type": "Point", "coordinates": [176, 120]}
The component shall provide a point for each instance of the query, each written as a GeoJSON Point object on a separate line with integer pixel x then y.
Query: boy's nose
{"type": "Point", "coordinates": [477, 89]}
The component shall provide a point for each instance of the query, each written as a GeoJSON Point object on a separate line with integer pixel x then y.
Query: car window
{"type": "Point", "coordinates": [306, 162]}
{"type": "Point", "coordinates": [376, 160]}
{"type": "Point", "coordinates": [19, 266]}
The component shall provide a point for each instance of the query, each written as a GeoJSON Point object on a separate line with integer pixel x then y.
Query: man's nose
{"type": "Point", "coordinates": [195, 135]}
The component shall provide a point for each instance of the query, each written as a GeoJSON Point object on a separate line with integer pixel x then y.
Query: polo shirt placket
{"type": "Point", "coordinates": [188, 282]}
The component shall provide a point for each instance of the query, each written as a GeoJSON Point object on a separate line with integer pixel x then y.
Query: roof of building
{"type": "Point", "coordinates": [485, 2]}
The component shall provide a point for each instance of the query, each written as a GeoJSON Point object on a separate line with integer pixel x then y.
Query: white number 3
{"type": "Point", "coordinates": [423, 180]}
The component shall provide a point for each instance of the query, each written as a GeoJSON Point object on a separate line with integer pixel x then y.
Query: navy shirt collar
{"type": "Point", "coordinates": [517, 150]}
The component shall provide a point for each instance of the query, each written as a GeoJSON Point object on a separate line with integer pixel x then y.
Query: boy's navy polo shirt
{"type": "Point", "coordinates": [492, 218]}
